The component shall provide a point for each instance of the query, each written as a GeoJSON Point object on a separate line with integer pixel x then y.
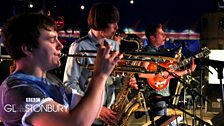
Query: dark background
{"type": "Point", "coordinates": [174, 14]}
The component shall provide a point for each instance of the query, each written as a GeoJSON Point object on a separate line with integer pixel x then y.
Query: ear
{"type": "Point", "coordinates": [26, 49]}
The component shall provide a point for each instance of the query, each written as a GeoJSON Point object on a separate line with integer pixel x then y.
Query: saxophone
{"type": "Point", "coordinates": [121, 100]}
{"type": "Point", "coordinates": [122, 106]}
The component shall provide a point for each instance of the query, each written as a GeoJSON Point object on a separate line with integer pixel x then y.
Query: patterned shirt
{"type": "Point", "coordinates": [23, 94]}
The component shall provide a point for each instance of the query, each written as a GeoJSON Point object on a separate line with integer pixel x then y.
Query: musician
{"type": "Point", "coordinates": [27, 97]}
{"type": "Point", "coordinates": [103, 20]}
{"type": "Point", "coordinates": [156, 39]}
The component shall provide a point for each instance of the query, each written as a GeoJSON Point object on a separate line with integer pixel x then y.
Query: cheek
{"type": "Point", "coordinates": [110, 31]}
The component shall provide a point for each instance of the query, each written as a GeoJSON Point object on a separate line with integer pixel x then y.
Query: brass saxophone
{"type": "Point", "coordinates": [122, 106]}
{"type": "Point", "coordinates": [121, 100]}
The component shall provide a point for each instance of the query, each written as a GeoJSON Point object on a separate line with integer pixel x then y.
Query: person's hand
{"type": "Point", "coordinates": [108, 116]}
{"type": "Point", "coordinates": [105, 62]}
{"type": "Point", "coordinates": [193, 65]}
{"type": "Point", "coordinates": [132, 83]}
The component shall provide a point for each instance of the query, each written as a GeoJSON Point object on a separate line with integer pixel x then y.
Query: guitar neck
{"type": "Point", "coordinates": [187, 61]}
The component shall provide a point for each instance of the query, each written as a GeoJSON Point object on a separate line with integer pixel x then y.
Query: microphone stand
{"type": "Point", "coordinates": [184, 93]}
{"type": "Point", "coordinates": [193, 94]}
{"type": "Point", "coordinates": [201, 78]}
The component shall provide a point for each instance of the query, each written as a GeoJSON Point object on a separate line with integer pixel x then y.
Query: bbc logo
{"type": "Point", "coordinates": [32, 100]}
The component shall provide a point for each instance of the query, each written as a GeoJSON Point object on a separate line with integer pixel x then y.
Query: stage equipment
{"type": "Point", "coordinates": [218, 120]}
{"type": "Point", "coordinates": [212, 33]}
{"type": "Point", "coordinates": [215, 96]}
{"type": "Point", "coordinates": [218, 66]}
{"type": "Point", "coordinates": [172, 120]}
{"type": "Point", "coordinates": [5, 57]}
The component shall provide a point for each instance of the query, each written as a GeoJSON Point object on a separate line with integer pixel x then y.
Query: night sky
{"type": "Point", "coordinates": [174, 14]}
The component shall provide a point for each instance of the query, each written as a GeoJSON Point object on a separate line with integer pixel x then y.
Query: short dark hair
{"type": "Point", "coordinates": [101, 14]}
{"type": "Point", "coordinates": [24, 29]}
{"type": "Point", "coordinates": [152, 29]}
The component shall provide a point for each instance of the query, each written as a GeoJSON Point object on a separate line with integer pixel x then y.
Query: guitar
{"type": "Point", "coordinates": [159, 82]}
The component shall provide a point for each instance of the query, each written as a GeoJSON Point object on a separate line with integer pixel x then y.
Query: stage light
{"type": "Point", "coordinates": [30, 5]}
{"type": "Point", "coordinates": [131, 1]}
{"type": "Point", "coordinates": [82, 7]}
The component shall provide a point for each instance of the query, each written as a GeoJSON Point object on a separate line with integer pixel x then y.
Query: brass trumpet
{"type": "Point", "coordinates": [131, 56]}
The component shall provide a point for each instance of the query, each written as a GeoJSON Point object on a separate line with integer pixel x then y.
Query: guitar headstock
{"type": "Point", "coordinates": [205, 51]}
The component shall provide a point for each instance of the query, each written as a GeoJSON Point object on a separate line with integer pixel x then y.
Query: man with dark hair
{"type": "Point", "coordinates": [156, 39]}
{"type": "Point", "coordinates": [27, 96]}
{"type": "Point", "coordinates": [102, 19]}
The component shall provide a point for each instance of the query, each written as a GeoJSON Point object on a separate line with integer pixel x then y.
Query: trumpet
{"type": "Point", "coordinates": [132, 69]}
{"type": "Point", "coordinates": [128, 56]}
{"type": "Point", "coordinates": [131, 56]}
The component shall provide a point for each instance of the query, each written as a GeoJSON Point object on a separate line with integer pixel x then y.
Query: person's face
{"type": "Point", "coordinates": [110, 30]}
{"type": "Point", "coordinates": [47, 55]}
{"type": "Point", "coordinates": [159, 37]}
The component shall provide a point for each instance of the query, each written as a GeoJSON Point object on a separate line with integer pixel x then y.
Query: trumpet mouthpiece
{"type": "Point", "coordinates": [63, 55]}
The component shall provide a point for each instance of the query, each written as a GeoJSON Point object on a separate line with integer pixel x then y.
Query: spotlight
{"type": "Point", "coordinates": [82, 7]}
{"type": "Point", "coordinates": [131, 1]}
{"type": "Point", "coordinates": [30, 5]}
